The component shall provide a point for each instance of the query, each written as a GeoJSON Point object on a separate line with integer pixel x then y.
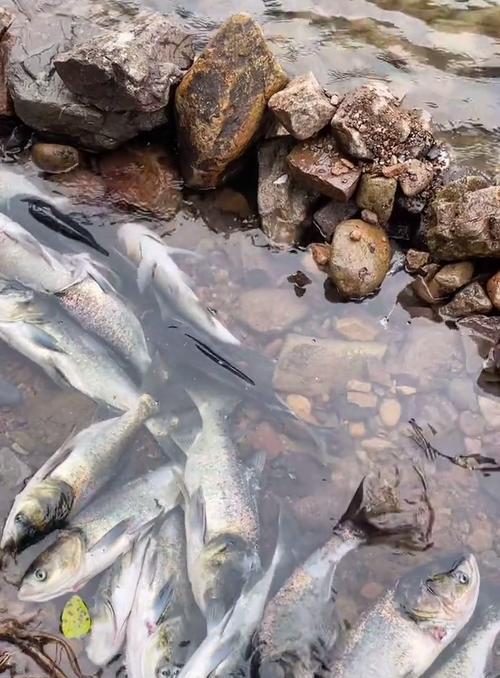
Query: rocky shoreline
{"type": "Point", "coordinates": [350, 172]}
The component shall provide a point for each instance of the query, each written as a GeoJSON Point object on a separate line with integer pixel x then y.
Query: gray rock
{"type": "Point", "coordinates": [318, 166]}
{"type": "Point", "coordinates": [416, 177]}
{"type": "Point", "coordinates": [360, 258]}
{"type": "Point", "coordinates": [284, 206]}
{"type": "Point", "coordinates": [469, 301]}
{"type": "Point", "coordinates": [376, 194]}
{"type": "Point", "coordinates": [464, 220]}
{"type": "Point", "coordinates": [302, 107]}
{"type": "Point", "coordinates": [331, 215]}
{"type": "Point", "coordinates": [13, 471]}
{"type": "Point", "coordinates": [132, 69]}
{"type": "Point", "coordinates": [40, 97]}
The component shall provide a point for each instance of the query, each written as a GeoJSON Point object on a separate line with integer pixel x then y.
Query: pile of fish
{"type": "Point", "coordinates": [185, 587]}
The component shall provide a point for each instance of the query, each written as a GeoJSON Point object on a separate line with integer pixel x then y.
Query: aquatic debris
{"type": "Point", "coordinates": [470, 462]}
{"type": "Point", "coordinates": [75, 619]}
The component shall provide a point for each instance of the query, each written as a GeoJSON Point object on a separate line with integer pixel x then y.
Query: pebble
{"type": "Point", "coordinates": [368, 400]}
{"type": "Point", "coordinates": [416, 260]}
{"type": "Point", "coordinates": [390, 412]}
{"type": "Point", "coordinates": [377, 444]}
{"type": "Point", "coordinates": [372, 590]}
{"type": "Point", "coordinates": [300, 405]}
{"type": "Point", "coordinates": [471, 423]}
{"type": "Point", "coordinates": [359, 386]}
{"type": "Point", "coordinates": [406, 390]}
{"type": "Point", "coordinates": [357, 429]}
{"type": "Point", "coordinates": [358, 329]}
{"type": "Point", "coordinates": [55, 158]}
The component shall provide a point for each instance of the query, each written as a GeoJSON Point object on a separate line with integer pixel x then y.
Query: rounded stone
{"type": "Point", "coordinates": [300, 405]}
{"type": "Point", "coordinates": [55, 158]}
{"type": "Point", "coordinates": [360, 258]}
{"type": "Point", "coordinates": [493, 289]}
{"type": "Point", "coordinates": [390, 412]}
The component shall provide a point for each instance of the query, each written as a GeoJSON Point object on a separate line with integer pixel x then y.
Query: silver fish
{"type": "Point", "coordinates": [13, 184]}
{"type": "Point", "coordinates": [82, 290]}
{"type": "Point", "coordinates": [112, 604]}
{"type": "Point", "coordinates": [299, 624]}
{"type": "Point", "coordinates": [159, 625]}
{"type": "Point", "coordinates": [222, 522]}
{"type": "Point", "coordinates": [42, 332]}
{"type": "Point", "coordinates": [101, 533]}
{"type": "Point", "coordinates": [470, 654]}
{"type": "Point", "coordinates": [404, 632]}
{"type": "Point", "coordinates": [156, 266]}
{"type": "Point", "coordinates": [223, 653]}
{"type": "Point", "coordinates": [72, 476]}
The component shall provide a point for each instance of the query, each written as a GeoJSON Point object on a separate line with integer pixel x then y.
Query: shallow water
{"type": "Point", "coordinates": [445, 56]}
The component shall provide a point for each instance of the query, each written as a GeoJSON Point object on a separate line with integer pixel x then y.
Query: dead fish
{"type": "Point", "coordinates": [299, 625]}
{"type": "Point", "coordinates": [13, 184]}
{"type": "Point", "coordinates": [157, 268]}
{"type": "Point", "coordinates": [66, 225]}
{"type": "Point", "coordinates": [10, 395]}
{"type": "Point", "coordinates": [101, 533]}
{"type": "Point", "coordinates": [71, 477]}
{"type": "Point", "coordinates": [406, 629]}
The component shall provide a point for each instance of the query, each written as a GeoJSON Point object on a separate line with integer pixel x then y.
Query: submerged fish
{"type": "Point", "coordinates": [9, 394]}
{"type": "Point", "coordinates": [159, 627]}
{"type": "Point", "coordinates": [81, 288]}
{"type": "Point", "coordinates": [472, 652]}
{"type": "Point", "coordinates": [404, 632]}
{"type": "Point", "coordinates": [112, 604]}
{"type": "Point", "coordinates": [299, 625]}
{"type": "Point", "coordinates": [156, 266]}
{"type": "Point", "coordinates": [224, 652]}
{"type": "Point", "coordinates": [72, 476]}
{"type": "Point", "coordinates": [13, 184]}
{"type": "Point", "coordinates": [222, 522]}
{"type": "Point", "coordinates": [101, 533]}
{"type": "Point", "coordinates": [50, 216]}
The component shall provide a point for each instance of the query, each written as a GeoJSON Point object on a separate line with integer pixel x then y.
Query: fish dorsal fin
{"type": "Point", "coordinates": [163, 601]}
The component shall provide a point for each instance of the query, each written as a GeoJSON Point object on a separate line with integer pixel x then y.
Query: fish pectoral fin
{"type": "Point", "coordinates": [183, 252]}
{"type": "Point", "coordinates": [215, 613]}
{"type": "Point", "coordinates": [145, 273]}
{"type": "Point", "coordinates": [127, 527]}
{"type": "Point", "coordinates": [198, 516]}
{"type": "Point", "coordinates": [163, 601]}
{"type": "Point", "coordinates": [44, 340]}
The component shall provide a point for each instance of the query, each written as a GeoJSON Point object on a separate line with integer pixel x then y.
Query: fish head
{"type": "Point", "coordinates": [35, 513]}
{"type": "Point", "coordinates": [55, 570]}
{"type": "Point", "coordinates": [445, 596]}
{"type": "Point", "coordinates": [159, 651]}
{"type": "Point", "coordinates": [130, 236]}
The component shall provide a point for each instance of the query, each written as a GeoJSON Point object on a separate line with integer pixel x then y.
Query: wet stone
{"type": "Point", "coordinates": [471, 424]}
{"type": "Point", "coordinates": [284, 206]}
{"type": "Point", "coordinates": [377, 195]}
{"type": "Point", "coordinates": [469, 301]}
{"type": "Point", "coordinates": [360, 258]}
{"type": "Point", "coordinates": [493, 289]}
{"type": "Point", "coordinates": [300, 405]}
{"type": "Point", "coordinates": [462, 394]}
{"type": "Point", "coordinates": [317, 165]}
{"type": "Point", "coordinates": [55, 158]}
{"type": "Point", "coordinates": [359, 386]}
{"type": "Point", "coordinates": [490, 409]}
{"type": "Point", "coordinates": [331, 215]}
{"type": "Point", "coordinates": [454, 276]}
{"type": "Point", "coordinates": [81, 184]}
{"type": "Point", "coordinates": [6, 107]}
{"type": "Point", "coordinates": [13, 471]}
{"type": "Point", "coordinates": [363, 400]}
{"type": "Point", "coordinates": [266, 309]}
{"type": "Point", "coordinates": [416, 177]}
{"type": "Point", "coordinates": [302, 107]}
{"type": "Point", "coordinates": [390, 412]}
{"type": "Point", "coordinates": [357, 328]}
{"type": "Point", "coordinates": [357, 429]}
{"type": "Point", "coordinates": [321, 255]}
{"type": "Point", "coordinates": [221, 101]}
{"type": "Point", "coordinates": [416, 260]}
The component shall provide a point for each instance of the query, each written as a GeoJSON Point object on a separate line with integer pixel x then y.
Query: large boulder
{"type": "Point", "coordinates": [6, 107]}
{"type": "Point", "coordinates": [132, 69]}
{"type": "Point", "coordinates": [44, 102]}
{"type": "Point", "coordinates": [284, 206]}
{"type": "Point", "coordinates": [221, 101]}
{"type": "Point", "coordinates": [360, 258]}
{"type": "Point", "coordinates": [463, 221]}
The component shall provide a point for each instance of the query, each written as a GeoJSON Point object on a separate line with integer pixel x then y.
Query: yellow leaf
{"type": "Point", "coordinates": [75, 619]}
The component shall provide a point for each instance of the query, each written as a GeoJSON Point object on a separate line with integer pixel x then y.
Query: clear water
{"type": "Point", "coordinates": [445, 56]}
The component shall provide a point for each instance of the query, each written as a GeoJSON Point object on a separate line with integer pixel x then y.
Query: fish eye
{"type": "Point", "coordinates": [462, 577]}
{"type": "Point", "coordinates": [40, 574]}
{"type": "Point", "coordinates": [20, 519]}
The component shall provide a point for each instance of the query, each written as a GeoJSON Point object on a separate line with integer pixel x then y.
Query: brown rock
{"type": "Point", "coordinates": [493, 289]}
{"type": "Point", "coordinates": [416, 260]}
{"type": "Point", "coordinates": [284, 206]}
{"type": "Point", "coordinates": [370, 217]}
{"type": "Point", "coordinates": [454, 276]}
{"type": "Point", "coordinates": [369, 124]}
{"type": "Point", "coordinates": [313, 366]}
{"type": "Point", "coordinates": [55, 158]}
{"type": "Point", "coordinates": [267, 309]}
{"type": "Point", "coordinates": [357, 429]}
{"type": "Point", "coordinates": [377, 195]}
{"type": "Point", "coordinates": [469, 301]}
{"type": "Point", "coordinates": [83, 184]}
{"type": "Point", "coordinates": [6, 19]}
{"type": "Point", "coordinates": [471, 423]}
{"type": "Point", "coordinates": [425, 286]}
{"type": "Point", "coordinates": [221, 101]}
{"type": "Point", "coordinates": [143, 178]}
{"type": "Point", "coordinates": [358, 328]}
{"type": "Point", "coordinates": [302, 107]}
{"type": "Point", "coordinates": [417, 175]}
{"type": "Point", "coordinates": [359, 386]}
{"type": "Point", "coordinates": [132, 69]}
{"type": "Point", "coordinates": [360, 260]}
{"type": "Point", "coordinates": [363, 400]}
{"type": "Point", "coordinates": [318, 166]}
{"type": "Point", "coordinates": [300, 406]}
{"type": "Point", "coordinates": [390, 412]}
{"type": "Point", "coordinates": [321, 254]}
{"type": "Point", "coordinates": [464, 220]}
{"type": "Point", "coordinates": [331, 215]}
{"type": "Point", "coordinates": [229, 201]}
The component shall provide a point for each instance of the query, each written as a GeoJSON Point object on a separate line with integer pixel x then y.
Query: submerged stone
{"type": "Point", "coordinates": [55, 158]}
{"type": "Point", "coordinates": [221, 101]}
{"type": "Point", "coordinates": [469, 301]}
